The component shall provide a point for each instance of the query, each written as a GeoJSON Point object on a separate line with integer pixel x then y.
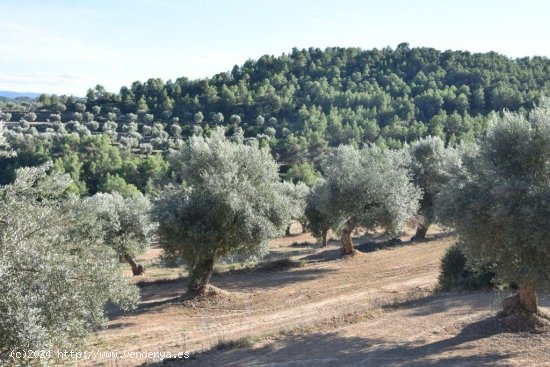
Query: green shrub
{"type": "Point", "coordinates": [455, 274]}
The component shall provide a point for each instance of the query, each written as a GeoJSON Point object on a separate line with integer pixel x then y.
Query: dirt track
{"type": "Point", "coordinates": [448, 330]}
{"type": "Point", "coordinates": [331, 312]}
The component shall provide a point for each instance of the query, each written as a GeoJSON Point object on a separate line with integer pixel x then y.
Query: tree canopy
{"type": "Point", "coordinates": [296, 194]}
{"type": "Point", "coordinates": [124, 223]}
{"type": "Point", "coordinates": [55, 280]}
{"type": "Point", "coordinates": [500, 203]}
{"type": "Point", "coordinates": [432, 166]}
{"type": "Point", "coordinates": [318, 211]}
{"type": "Point", "coordinates": [370, 188]}
{"type": "Point", "coordinates": [230, 203]}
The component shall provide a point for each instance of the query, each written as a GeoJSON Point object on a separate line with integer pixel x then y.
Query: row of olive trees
{"type": "Point", "coordinates": [379, 188]}
{"type": "Point", "coordinates": [495, 194]}
{"type": "Point", "coordinates": [230, 200]}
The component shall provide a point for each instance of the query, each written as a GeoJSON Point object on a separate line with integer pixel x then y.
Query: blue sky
{"type": "Point", "coordinates": [68, 46]}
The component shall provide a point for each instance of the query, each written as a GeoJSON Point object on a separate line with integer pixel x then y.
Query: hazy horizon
{"type": "Point", "coordinates": [65, 48]}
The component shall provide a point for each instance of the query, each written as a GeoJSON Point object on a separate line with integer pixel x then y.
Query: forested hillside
{"type": "Point", "coordinates": [300, 104]}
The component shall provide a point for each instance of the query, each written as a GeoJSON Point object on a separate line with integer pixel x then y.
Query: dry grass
{"type": "Point", "coordinates": [243, 342]}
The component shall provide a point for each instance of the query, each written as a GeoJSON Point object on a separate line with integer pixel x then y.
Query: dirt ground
{"type": "Point", "coordinates": [375, 309]}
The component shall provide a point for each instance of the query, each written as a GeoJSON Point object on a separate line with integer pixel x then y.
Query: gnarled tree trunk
{"type": "Point", "coordinates": [528, 298]}
{"type": "Point", "coordinates": [523, 301]}
{"type": "Point", "coordinates": [347, 244]}
{"type": "Point", "coordinates": [324, 239]}
{"type": "Point", "coordinates": [425, 218]}
{"type": "Point", "coordinates": [200, 275]}
{"type": "Point", "coordinates": [137, 269]}
{"type": "Point", "coordinates": [421, 230]}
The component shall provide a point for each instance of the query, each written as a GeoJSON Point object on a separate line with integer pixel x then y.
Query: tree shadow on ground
{"type": "Point", "coordinates": [157, 294]}
{"type": "Point", "coordinates": [120, 325]}
{"type": "Point", "coordinates": [366, 244]}
{"type": "Point", "coordinates": [381, 242]}
{"type": "Point", "coordinates": [306, 244]}
{"type": "Point", "coordinates": [437, 236]}
{"type": "Point", "coordinates": [441, 302]}
{"type": "Point", "coordinates": [332, 349]}
{"type": "Point", "coordinates": [324, 254]}
{"type": "Point", "coordinates": [335, 350]}
{"type": "Point", "coordinates": [269, 279]}
{"type": "Point", "coordinates": [274, 255]}
{"type": "Point", "coordinates": [332, 251]}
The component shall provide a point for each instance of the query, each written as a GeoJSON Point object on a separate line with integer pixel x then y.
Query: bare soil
{"type": "Point", "coordinates": [374, 309]}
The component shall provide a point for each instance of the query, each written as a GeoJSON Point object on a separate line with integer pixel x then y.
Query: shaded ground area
{"type": "Point", "coordinates": [448, 330]}
{"type": "Point", "coordinates": [370, 310]}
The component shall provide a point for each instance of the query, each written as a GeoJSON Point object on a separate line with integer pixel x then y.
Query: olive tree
{"type": "Point", "coordinates": [369, 188]}
{"type": "Point", "coordinates": [235, 120]}
{"type": "Point", "coordinates": [231, 203]}
{"type": "Point", "coordinates": [198, 117]}
{"type": "Point", "coordinates": [93, 125]}
{"type": "Point", "coordinates": [318, 211]}
{"type": "Point", "coordinates": [125, 224]}
{"type": "Point", "coordinates": [218, 118]}
{"type": "Point", "coordinates": [5, 116]}
{"type": "Point", "coordinates": [432, 165]}
{"type": "Point", "coordinates": [55, 280]}
{"type": "Point", "coordinates": [260, 120]}
{"type": "Point", "coordinates": [176, 130]}
{"type": "Point", "coordinates": [271, 132]}
{"type": "Point", "coordinates": [500, 205]}
{"type": "Point", "coordinates": [31, 116]}
{"type": "Point", "coordinates": [296, 194]}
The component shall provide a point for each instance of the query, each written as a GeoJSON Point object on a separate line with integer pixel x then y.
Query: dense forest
{"type": "Point", "coordinates": [300, 104]}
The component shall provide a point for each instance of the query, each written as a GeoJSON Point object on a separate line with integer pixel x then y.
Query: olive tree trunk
{"type": "Point", "coordinates": [137, 269]}
{"type": "Point", "coordinates": [347, 244]}
{"type": "Point", "coordinates": [421, 231]}
{"type": "Point", "coordinates": [524, 301]}
{"type": "Point", "coordinates": [528, 298]}
{"type": "Point", "coordinates": [200, 275]}
{"type": "Point", "coordinates": [324, 239]}
{"type": "Point", "coordinates": [425, 218]}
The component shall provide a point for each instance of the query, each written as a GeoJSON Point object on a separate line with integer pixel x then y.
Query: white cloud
{"type": "Point", "coordinates": [41, 60]}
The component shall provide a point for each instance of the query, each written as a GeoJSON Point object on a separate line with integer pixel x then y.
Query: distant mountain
{"type": "Point", "coordinates": [12, 95]}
